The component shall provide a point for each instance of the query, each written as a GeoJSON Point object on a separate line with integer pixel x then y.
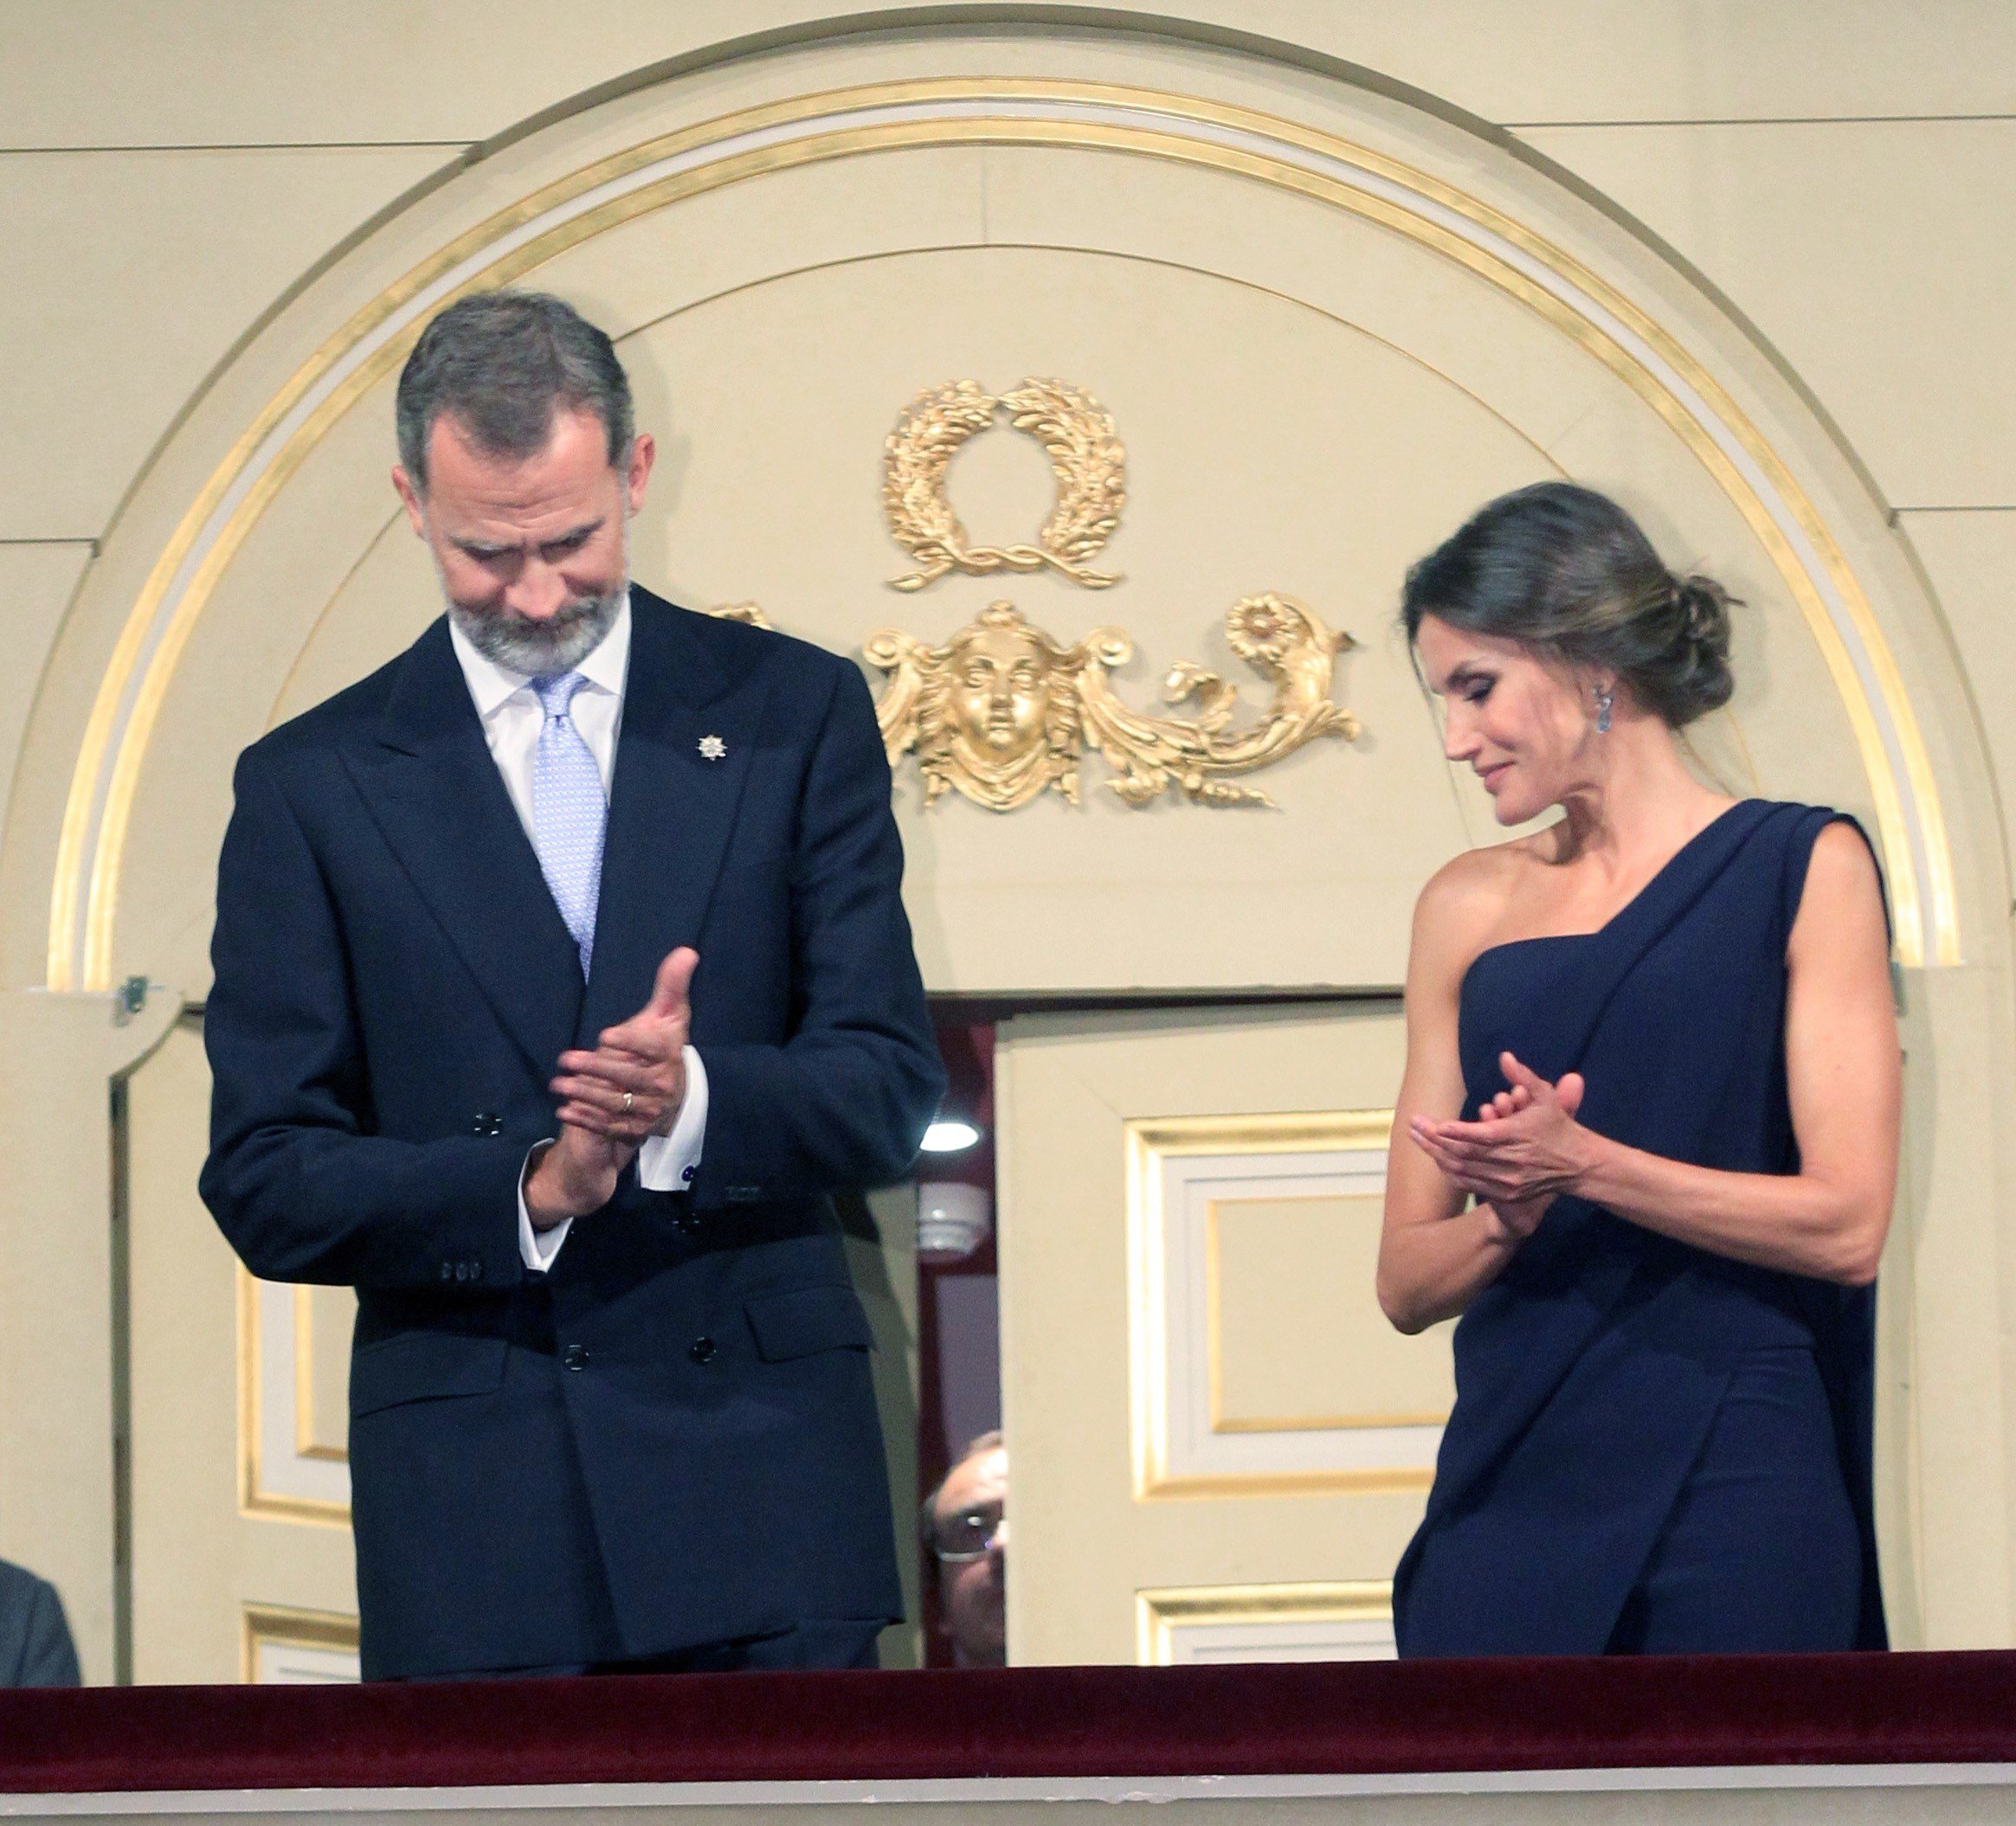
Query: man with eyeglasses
{"type": "Point", "coordinates": [965, 1526]}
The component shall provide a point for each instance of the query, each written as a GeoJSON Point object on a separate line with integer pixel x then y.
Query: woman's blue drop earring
{"type": "Point", "coordinates": [1603, 713]}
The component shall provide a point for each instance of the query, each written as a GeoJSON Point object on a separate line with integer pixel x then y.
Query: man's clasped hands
{"type": "Point", "coordinates": [1523, 1151]}
{"type": "Point", "coordinates": [614, 1099]}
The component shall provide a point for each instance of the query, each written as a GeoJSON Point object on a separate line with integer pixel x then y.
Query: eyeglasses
{"type": "Point", "coordinates": [968, 1535]}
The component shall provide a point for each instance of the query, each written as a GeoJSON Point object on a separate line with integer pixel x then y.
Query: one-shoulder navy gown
{"type": "Point", "coordinates": [1653, 1447]}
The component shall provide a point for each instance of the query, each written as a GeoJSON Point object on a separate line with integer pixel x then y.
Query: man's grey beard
{"type": "Point", "coordinates": [540, 649]}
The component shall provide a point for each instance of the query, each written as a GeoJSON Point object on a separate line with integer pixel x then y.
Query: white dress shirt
{"type": "Point", "coordinates": [513, 718]}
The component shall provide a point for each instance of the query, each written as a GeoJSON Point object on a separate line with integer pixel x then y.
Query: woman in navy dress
{"type": "Point", "coordinates": [1646, 1143]}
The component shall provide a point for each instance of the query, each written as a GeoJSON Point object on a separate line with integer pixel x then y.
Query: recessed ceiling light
{"type": "Point", "coordinates": [949, 1135]}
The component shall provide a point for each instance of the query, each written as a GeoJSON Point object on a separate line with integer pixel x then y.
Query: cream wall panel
{"type": "Point", "coordinates": [770, 493]}
{"type": "Point", "coordinates": [278, 1662]}
{"type": "Point", "coordinates": [1066, 1087]}
{"type": "Point", "coordinates": [322, 1388]}
{"type": "Point", "coordinates": [1579, 418]}
{"type": "Point", "coordinates": [708, 247]}
{"type": "Point", "coordinates": [380, 609]}
{"type": "Point", "coordinates": [1195, 1645]}
{"type": "Point", "coordinates": [1875, 257]}
{"type": "Point", "coordinates": [1971, 561]}
{"type": "Point", "coordinates": [1282, 1356]}
{"type": "Point", "coordinates": [196, 1558]}
{"type": "Point", "coordinates": [1274, 444]}
{"type": "Point", "coordinates": [284, 1473]}
{"type": "Point", "coordinates": [1203, 1626]}
{"type": "Point", "coordinates": [131, 274]}
{"type": "Point", "coordinates": [155, 72]}
{"type": "Point", "coordinates": [1355, 1404]}
{"type": "Point", "coordinates": [36, 584]}
{"type": "Point", "coordinates": [1949, 1281]}
{"type": "Point", "coordinates": [58, 1057]}
{"type": "Point", "coordinates": [239, 655]}
{"type": "Point", "coordinates": [1208, 383]}
{"type": "Point", "coordinates": [496, 180]}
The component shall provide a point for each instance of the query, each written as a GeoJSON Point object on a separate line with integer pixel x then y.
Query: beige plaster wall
{"type": "Point", "coordinates": [168, 174]}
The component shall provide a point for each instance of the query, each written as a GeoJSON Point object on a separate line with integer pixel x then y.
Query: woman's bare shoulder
{"type": "Point", "coordinates": [1843, 893]}
{"type": "Point", "coordinates": [1466, 899]}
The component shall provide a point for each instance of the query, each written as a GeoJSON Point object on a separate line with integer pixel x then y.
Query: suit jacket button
{"type": "Point", "coordinates": [475, 1270]}
{"type": "Point", "coordinates": [701, 1350]}
{"type": "Point", "coordinates": [448, 1270]}
{"type": "Point", "coordinates": [575, 1356]}
{"type": "Point", "coordinates": [462, 1271]}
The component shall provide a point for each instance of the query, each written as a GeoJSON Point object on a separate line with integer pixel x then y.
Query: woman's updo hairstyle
{"type": "Point", "coordinates": [1566, 571]}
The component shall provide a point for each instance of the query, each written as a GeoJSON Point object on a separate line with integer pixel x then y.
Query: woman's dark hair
{"type": "Point", "coordinates": [1566, 571]}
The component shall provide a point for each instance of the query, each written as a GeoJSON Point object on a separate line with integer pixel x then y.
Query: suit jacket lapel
{"type": "Point", "coordinates": [437, 796]}
{"type": "Point", "coordinates": [672, 803]}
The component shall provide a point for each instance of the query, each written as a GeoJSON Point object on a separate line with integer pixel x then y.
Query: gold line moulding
{"type": "Point", "coordinates": [1004, 712]}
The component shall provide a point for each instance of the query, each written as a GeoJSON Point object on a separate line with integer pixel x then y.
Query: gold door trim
{"type": "Point", "coordinates": [1148, 1143]}
{"type": "Point", "coordinates": [957, 111]}
{"type": "Point", "coordinates": [254, 1499]}
{"type": "Point", "coordinates": [1159, 1613]}
{"type": "Point", "coordinates": [296, 1628]}
{"type": "Point", "coordinates": [305, 1443]}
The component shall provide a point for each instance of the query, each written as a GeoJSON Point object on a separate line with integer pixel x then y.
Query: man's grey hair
{"type": "Point", "coordinates": [501, 364]}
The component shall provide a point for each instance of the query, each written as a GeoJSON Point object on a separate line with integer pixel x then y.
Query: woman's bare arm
{"type": "Point", "coordinates": [1435, 1255]}
{"type": "Point", "coordinates": [1842, 1070]}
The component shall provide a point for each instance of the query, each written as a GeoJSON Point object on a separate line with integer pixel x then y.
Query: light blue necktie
{"type": "Point", "coordinates": [568, 811]}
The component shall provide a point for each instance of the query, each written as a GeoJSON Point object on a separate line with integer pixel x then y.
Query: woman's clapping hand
{"type": "Point", "coordinates": [1523, 1151]}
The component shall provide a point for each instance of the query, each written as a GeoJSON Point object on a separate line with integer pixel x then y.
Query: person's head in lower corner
{"type": "Point", "coordinates": [965, 1529]}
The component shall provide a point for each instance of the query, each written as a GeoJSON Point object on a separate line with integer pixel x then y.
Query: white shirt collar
{"type": "Point", "coordinates": [491, 685]}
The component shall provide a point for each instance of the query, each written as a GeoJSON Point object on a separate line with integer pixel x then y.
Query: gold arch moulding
{"type": "Point", "coordinates": [961, 110]}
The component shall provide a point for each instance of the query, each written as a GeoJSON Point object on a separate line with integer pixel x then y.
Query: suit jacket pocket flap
{"type": "Point", "coordinates": [424, 1366]}
{"type": "Point", "coordinates": [805, 1319]}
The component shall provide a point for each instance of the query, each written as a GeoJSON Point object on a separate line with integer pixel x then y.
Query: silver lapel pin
{"type": "Point", "coordinates": [713, 748]}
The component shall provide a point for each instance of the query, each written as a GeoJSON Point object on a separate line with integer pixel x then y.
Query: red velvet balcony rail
{"type": "Point", "coordinates": [1353, 1718]}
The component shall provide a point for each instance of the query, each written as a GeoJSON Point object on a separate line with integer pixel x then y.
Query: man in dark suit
{"type": "Point", "coordinates": [561, 974]}
{"type": "Point", "coordinates": [35, 1649]}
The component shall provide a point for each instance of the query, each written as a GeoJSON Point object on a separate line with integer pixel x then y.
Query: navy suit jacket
{"type": "Point", "coordinates": [35, 1649]}
{"type": "Point", "coordinates": [672, 1438]}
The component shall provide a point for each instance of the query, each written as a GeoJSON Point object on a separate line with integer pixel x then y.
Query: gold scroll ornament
{"type": "Point", "coordinates": [1003, 712]}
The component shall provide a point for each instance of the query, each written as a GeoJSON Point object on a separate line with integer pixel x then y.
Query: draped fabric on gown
{"type": "Point", "coordinates": [1589, 1374]}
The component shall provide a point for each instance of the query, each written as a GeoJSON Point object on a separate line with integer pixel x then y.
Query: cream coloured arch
{"type": "Point", "coordinates": [519, 240]}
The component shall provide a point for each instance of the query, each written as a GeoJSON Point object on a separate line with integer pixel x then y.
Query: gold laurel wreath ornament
{"type": "Point", "coordinates": [1086, 457]}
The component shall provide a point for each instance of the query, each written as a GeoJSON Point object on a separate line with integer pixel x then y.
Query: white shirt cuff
{"type": "Point", "coordinates": [536, 1248]}
{"type": "Point", "coordinates": [670, 1162]}
{"type": "Point", "coordinates": [665, 1163]}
